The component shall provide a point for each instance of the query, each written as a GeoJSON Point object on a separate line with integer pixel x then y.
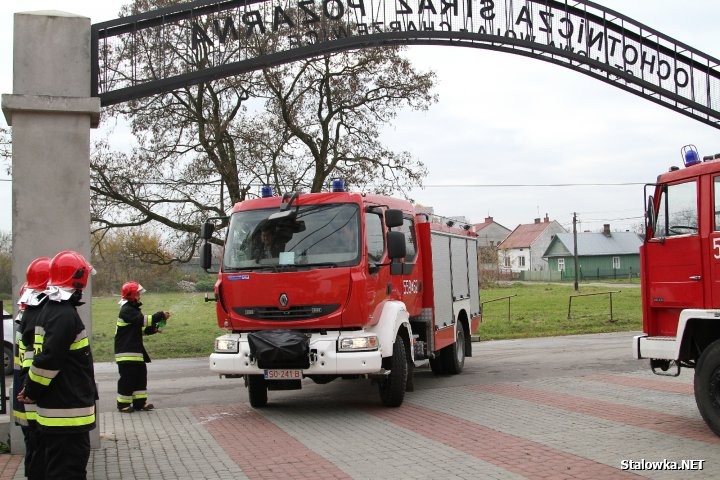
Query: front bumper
{"type": "Point", "coordinates": [662, 348]}
{"type": "Point", "coordinates": [324, 357]}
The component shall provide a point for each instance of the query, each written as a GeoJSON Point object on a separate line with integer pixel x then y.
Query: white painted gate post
{"type": "Point", "coordinates": [51, 114]}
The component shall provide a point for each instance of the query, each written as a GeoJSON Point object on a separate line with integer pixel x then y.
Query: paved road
{"type": "Point", "coordinates": [188, 382]}
{"type": "Point", "coordinates": [574, 407]}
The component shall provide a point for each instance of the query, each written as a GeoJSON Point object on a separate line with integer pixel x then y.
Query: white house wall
{"type": "Point", "coordinates": [540, 245]}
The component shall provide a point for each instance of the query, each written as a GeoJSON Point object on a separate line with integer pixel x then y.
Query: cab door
{"type": "Point", "coordinates": [714, 245]}
{"type": "Point", "coordinates": [411, 280]}
{"type": "Point", "coordinates": [673, 258]}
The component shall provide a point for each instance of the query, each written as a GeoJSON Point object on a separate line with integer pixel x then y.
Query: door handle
{"type": "Point", "coordinates": [696, 278]}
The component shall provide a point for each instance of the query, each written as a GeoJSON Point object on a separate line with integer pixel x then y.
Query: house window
{"type": "Point", "coordinates": [616, 263]}
{"type": "Point", "coordinates": [521, 262]}
{"type": "Point", "coordinates": [507, 262]}
{"type": "Point", "coordinates": [561, 264]}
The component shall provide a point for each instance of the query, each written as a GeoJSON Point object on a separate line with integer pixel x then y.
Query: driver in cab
{"type": "Point", "coordinates": [268, 246]}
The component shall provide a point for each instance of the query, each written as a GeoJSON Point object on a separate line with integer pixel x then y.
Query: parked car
{"type": "Point", "coordinates": [8, 333]}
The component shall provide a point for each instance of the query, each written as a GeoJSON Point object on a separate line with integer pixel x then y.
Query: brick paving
{"type": "Point", "coordinates": [552, 427]}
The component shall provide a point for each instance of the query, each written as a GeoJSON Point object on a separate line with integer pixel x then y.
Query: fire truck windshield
{"type": "Point", "coordinates": [324, 235]}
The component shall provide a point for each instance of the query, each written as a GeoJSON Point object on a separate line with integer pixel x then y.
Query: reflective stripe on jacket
{"type": "Point", "coordinates": [131, 325]}
{"type": "Point", "coordinates": [61, 379]}
{"type": "Point", "coordinates": [24, 353]}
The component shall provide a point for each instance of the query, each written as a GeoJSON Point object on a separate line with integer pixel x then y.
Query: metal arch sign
{"type": "Point", "coordinates": [206, 40]}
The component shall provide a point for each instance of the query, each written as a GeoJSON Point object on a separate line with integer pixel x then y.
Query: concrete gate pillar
{"type": "Point", "coordinates": [51, 114]}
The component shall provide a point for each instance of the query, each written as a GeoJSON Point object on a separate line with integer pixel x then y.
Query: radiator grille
{"type": "Point", "coordinates": [275, 314]}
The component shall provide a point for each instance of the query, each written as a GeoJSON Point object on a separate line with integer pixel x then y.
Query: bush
{"type": "Point", "coordinates": [206, 283]}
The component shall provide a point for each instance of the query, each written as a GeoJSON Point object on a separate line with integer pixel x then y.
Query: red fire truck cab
{"type": "Point", "coordinates": [341, 285]}
{"type": "Point", "coordinates": [680, 272]}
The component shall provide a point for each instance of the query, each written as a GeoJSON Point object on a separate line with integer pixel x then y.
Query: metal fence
{"type": "Point", "coordinates": [601, 274]}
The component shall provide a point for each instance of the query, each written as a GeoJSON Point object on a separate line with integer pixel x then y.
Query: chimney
{"type": "Point", "coordinates": [537, 220]}
{"type": "Point", "coordinates": [606, 230]}
{"type": "Point", "coordinates": [488, 219]}
{"type": "Point", "coordinates": [547, 219]}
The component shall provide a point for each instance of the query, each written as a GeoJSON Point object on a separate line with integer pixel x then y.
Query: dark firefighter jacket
{"type": "Point", "coordinates": [61, 379]}
{"type": "Point", "coordinates": [131, 326]}
{"type": "Point", "coordinates": [24, 413]}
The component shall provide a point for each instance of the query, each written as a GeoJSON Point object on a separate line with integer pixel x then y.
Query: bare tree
{"type": "Point", "coordinates": [202, 148]}
{"type": "Point", "coordinates": [5, 148]}
{"type": "Point", "coordinates": [122, 256]}
{"type": "Point", "coordinates": [334, 107]}
{"type": "Point", "coordinates": [5, 263]}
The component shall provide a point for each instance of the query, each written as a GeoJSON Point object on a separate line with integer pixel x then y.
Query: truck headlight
{"type": "Point", "coordinates": [226, 345]}
{"type": "Point", "coordinates": [355, 344]}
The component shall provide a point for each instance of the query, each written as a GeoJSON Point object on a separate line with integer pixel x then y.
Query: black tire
{"type": "Point", "coordinates": [257, 391]}
{"type": "Point", "coordinates": [437, 364]}
{"type": "Point", "coordinates": [707, 386]}
{"type": "Point", "coordinates": [454, 355]}
{"type": "Point", "coordinates": [8, 359]}
{"type": "Point", "coordinates": [392, 387]}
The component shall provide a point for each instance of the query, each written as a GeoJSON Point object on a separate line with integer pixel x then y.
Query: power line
{"type": "Point", "coordinates": [484, 185]}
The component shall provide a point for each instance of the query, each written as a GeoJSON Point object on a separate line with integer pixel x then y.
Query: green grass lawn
{"type": "Point", "coordinates": [538, 310]}
{"type": "Point", "coordinates": [190, 332]}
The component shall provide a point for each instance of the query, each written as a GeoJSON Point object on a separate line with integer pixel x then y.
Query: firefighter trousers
{"type": "Point", "coordinates": [34, 455]}
{"type": "Point", "coordinates": [132, 385]}
{"type": "Point", "coordinates": [66, 455]}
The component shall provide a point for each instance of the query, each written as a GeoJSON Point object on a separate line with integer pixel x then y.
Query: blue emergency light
{"type": "Point", "coordinates": [338, 185]}
{"type": "Point", "coordinates": [690, 155]}
{"type": "Point", "coordinates": [266, 191]}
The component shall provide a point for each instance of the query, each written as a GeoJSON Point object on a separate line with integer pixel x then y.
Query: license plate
{"type": "Point", "coordinates": [283, 374]}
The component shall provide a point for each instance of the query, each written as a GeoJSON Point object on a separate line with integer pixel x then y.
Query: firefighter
{"type": "Point", "coordinates": [130, 353]}
{"type": "Point", "coordinates": [61, 379]}
{"type": "Point", "coordinates": [267, 244]}
{"type": "Point", "coordinates": [32, 298]}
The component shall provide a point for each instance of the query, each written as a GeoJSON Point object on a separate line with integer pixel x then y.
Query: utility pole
{"type": "Point", "coordinates": [575, 255]}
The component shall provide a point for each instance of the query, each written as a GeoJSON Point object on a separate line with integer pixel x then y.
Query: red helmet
{"type": "Point", "coordinates": [38, 273]}
{"type": "Point", "coordinates": [131, 291]}
{"type": "Point", "coordinates": [70, 270]}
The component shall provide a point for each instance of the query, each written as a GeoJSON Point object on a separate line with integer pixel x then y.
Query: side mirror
{"type": "Point", "coordinates": [393, 218]}
{"type": "Point", "coordinates": [206, 230]}
{"type": "Point", "coordinates": [396, 245]}
{"type": "Point", "coordinates": [206, 255]}
{"type": "Point", "coordinates": [650, 217]}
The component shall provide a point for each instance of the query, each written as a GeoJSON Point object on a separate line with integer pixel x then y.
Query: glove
{"type": "Point", "coordinates": [159, 319]}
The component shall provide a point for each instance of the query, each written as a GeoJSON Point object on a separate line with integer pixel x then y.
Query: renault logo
{"type": "Point", "coordinates": [283, 300]}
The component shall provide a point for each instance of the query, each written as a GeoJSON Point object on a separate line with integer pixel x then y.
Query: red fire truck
{"type": "Point", "coordinates": [341, 285]}
{"type": "Point", "coordinates": [680, 266]}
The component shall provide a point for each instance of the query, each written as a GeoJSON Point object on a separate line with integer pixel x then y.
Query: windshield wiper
{"type": "Point", "coordinates": [247, 269]}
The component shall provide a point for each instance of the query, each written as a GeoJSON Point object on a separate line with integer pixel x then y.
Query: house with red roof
{"type": "Point", "coordinates": [524, 248]}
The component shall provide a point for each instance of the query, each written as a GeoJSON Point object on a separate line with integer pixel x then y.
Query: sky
{"type": "Point", "coordinates": [507, 129]}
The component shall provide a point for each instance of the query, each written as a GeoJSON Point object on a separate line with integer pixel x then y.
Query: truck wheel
{"type": "Point", "coordinates": [392, 387]}
{"type": "Point", "coordinates": [707, 386]}
{"type": "Point", "coordinates": [257, 391]}
{"type": "Point", "coordinates": [437, 364]}
{"type": "Point", "coordinates": [454, 355]}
